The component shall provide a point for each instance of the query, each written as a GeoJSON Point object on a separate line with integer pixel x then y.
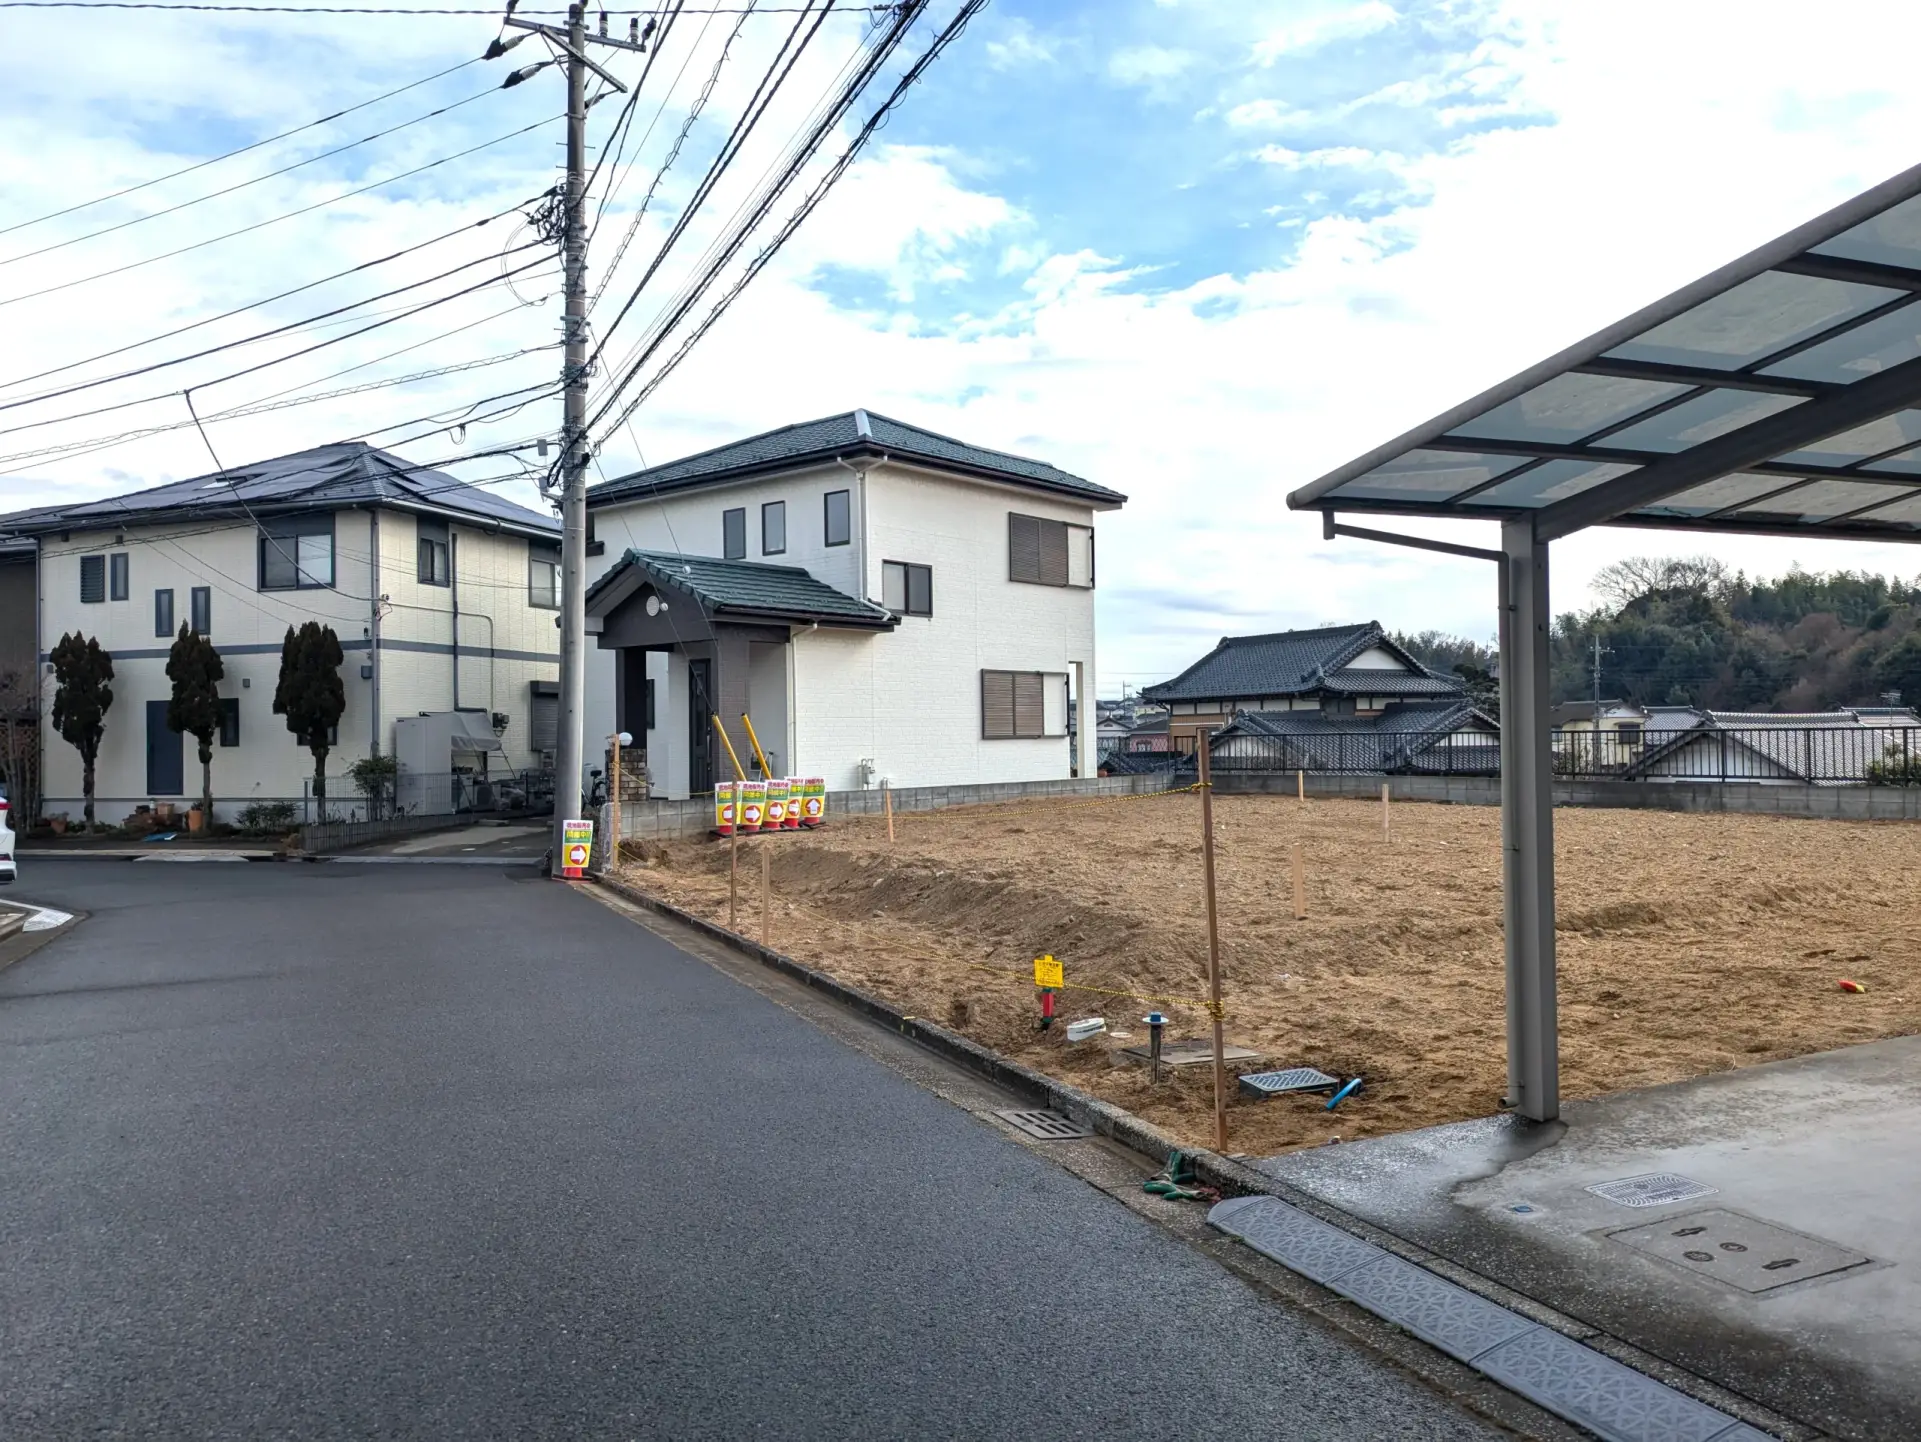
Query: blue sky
{"type": "Point", "coordinates": [1200, 252]}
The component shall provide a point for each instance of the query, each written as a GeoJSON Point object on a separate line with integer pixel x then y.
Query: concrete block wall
{"type": "Point", "coordinates": [1843, 803]}
{"type": "Point", "coordinates": [680, 820]}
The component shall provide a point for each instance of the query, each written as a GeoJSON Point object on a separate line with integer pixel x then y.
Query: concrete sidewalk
{"type": "Point", "coordinates": [1766, 1239]}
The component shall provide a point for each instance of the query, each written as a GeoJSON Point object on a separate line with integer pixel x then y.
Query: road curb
{"type": "Point", "coordinates": [1230, 1177]}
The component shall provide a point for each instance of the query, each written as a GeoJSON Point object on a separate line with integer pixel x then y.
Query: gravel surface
{"type": "Point", "coordinates": [319, 1151]}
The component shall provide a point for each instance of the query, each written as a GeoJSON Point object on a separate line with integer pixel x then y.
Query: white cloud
{"type": "Point", "coordinates": [1016, 44]}
{"type": "Point", "coordinates": [1148, 65]}
{"type": "Point", "coordinates": [1341, 22]}
{"type": "Point", "coordinates": [1206, 401]}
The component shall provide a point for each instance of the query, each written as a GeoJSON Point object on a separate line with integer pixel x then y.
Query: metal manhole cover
{"type": "Point", "coordinates": [1657, 1189]}
{"type": "Point", "coordinates": [1753, 1255]}
{"type": "Point", "coordinates": [1293, 1079]}
{"type": "Point", "coordinates": [1043, 1125]}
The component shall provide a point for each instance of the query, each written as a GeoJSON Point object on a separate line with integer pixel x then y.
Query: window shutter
{"type": "Point", "coordinates": [93, 579]}
{"type": "Point", "coordinates": [997, 705]}
{"type": "Point", "coordinates": [1053, 552]}
{"type": "Point", "coordinates": [1030, 703]}
{"type": "Point", "coordinates": [1023, 548]}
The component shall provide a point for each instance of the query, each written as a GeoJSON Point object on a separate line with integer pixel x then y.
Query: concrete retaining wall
{"type": "Point", "coordinates": [324, 838]}
{"type": "Point", "coordinates": [675, 820]}
{"type": "Point", "coordinates": [1844, 803]}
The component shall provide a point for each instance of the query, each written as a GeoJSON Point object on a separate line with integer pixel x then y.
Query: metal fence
{"type": "Point", "coordinates": [447, 793]}
{"type": "Point", "coordinates": [1809, 755]}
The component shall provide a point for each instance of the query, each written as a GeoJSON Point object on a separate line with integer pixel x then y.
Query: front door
{"type": "Point", "coordinates": [700, 726]}
{"type": "Point", "coordinates": [166, 754]}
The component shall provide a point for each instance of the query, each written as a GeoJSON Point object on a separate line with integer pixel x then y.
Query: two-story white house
{"type": "Point", "coordinates": [444, 597]}
{"type": "Point", "coordinates": [887, 603]}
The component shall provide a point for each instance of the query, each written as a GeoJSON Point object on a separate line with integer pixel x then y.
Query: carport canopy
{"type": "Point", "coordinates": [1780, 394]}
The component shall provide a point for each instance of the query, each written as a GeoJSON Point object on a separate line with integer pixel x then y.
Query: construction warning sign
{"type": "Point", "coordinates": [1047, 972]}
{"type": "Point", "coordinates": [576, 846]}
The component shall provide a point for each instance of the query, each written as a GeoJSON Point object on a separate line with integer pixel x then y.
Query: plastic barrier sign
{"type": "Point", "coordinates": [1047, 972]}
{"type": "Point", "coordinates": [576, 847]}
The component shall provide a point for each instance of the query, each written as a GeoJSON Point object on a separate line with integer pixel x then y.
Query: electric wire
{"type": "Point", "coordinates": [695, 289]}
{"type": "Point", "coordinates": [229, 155]}
{"type": "Point", "coordinates": [461, 229]}
{"type": "Point", "coordinates": [693, 114]}
{"type": "Point", "coordinates": [278, 360]}
{"type": "Point", "coordinates": [85, 385]}
{"type": "Point", "coordinates": [749, 118]}
{"type": "Point", "coordinates": [287, 215]}
{"type": "Point", "coordinates": [834, 103]}
{"type": "Point", "coordinates": [255, 180]}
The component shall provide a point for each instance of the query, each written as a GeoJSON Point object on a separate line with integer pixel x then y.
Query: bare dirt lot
{"type": "Point", "coordinates": [1688, 943]}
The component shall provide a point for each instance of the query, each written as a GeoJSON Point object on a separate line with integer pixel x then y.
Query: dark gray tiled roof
{"type": "Point", "coordinates": [855, 433]}
{"type": "Point", "coordinates": [324, 478]}
{"type": "Point", "coordinates": [1299, 663]}
{"type": "Point", "coordinates": [1402, 738]}
{"type": "Point", "coordinates": [749, 588]}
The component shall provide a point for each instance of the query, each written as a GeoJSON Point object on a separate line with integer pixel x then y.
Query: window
{"type": "Point", "coordinates": [1049, 553]}
{"type": "Point", "coordinates": [229, 720]}
{"type": "Point", "coordinates": [297, 553]}
{"type": "Point", "coordinates": [1630, 733]}
{"type": "Point", "coordinates": [93, 579]}
{"type": "Point", "coordinates": [595, 546]}
{"type": "Point", "coordinates": [200, 603]}
{"type": "Point", "coordinates": [163, 613]}
{"type": "Point", "coordinates": [117, 576]}
{"type": "Point", "coordinates": [907, 589]}
{"type": "Point", "coordinates": [838, 518]}
{"type": "Point", "coordinates": [1013, 704]}
{"type": "Point", "coordinates": [432, 552]}
{"type": "Point", "coordinates": [543, 580]}
{"type": "Point", "coordinates": [733, 534]}
{"type": "Point", "coordinates": [773, 528]}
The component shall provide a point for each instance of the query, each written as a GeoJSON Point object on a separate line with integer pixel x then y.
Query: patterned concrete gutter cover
{"type": "Point", "coordinates": [1572, 1381]}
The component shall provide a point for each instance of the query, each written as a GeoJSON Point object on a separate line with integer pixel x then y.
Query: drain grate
{"type": "Point", "coordinates": [1044, 1125]}
{"type": "Point", "coordinates": [1293, 1079]}
{"type": "Point", "coordinates": [1657, 1189]}
{"type": "Point", "coordinates": [1742, 1252]}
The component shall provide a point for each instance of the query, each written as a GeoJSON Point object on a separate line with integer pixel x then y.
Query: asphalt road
{"type": "Point", "coordinates": [356, 1151]}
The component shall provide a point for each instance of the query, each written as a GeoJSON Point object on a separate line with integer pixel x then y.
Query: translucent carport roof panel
{"type": "Point", "coordinates": [1769, 395]}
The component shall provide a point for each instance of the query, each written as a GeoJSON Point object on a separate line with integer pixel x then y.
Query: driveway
{"type": "Point", "coordinates": [332, 1151]}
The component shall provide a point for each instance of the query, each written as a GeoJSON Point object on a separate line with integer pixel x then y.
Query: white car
{"type": "Point", "coordinates": [7, 871]}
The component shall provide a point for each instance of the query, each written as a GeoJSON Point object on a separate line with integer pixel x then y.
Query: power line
{"type": "Point", "coordinates": [278, 360]}
{"type": "Point", "coordinates": [673, 153]}
{"type": "Point", "coordinates": [387, 10]}
{"type": "Point", "coordinates": [229, 155]}
{"type": "Point", "coordinates": [750, 117]}
{"type": "Point", "coordinates": [276, 219]}
{"type": "Point", "coordinates": [283, 295]}
{"type": "Point", "coordinates": [802, 153]}
{"type": "Point", "coordinates": [257, 337]}
{"type": "Point", "coordinates": [255, 180]}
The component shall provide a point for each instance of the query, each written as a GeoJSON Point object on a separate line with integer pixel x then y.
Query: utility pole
{"type": "Point", "coordinates": [570, 48]}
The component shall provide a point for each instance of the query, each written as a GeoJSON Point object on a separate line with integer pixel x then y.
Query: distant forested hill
{"type": "Point", "coordinates": [1692, 632]}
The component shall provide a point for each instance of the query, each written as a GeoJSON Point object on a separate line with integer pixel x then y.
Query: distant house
{"type": "Point", "coordinates": [443, 595]}
{"type": "Point", "coordinates": [1150, 733]}
{"type": "Point", "coordinates": [1822, 748]}
{"type": "Point", "coordinates": [1352, 675]}
{"type": "Point", "coordinates": [886, 602]}
{"type": "Point", "coordinates": [1441, 737]}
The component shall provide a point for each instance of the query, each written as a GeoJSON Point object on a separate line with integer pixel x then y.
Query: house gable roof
{"type": "Point", "coordinates": [324, 478]}
{"type": "Point", "coordinates": [739, 590]}
{"type": "Point", "coordinates": [1301, 663]}
{"type": "Point", "coordinates": [849, 435]}
{"type": "Point", "coordinates": [1404, 737]}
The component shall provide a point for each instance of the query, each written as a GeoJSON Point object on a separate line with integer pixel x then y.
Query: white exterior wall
{"type": "Point", "coordinates": [908, 700]}
{"type": "Point", "coordinates": [248, 626]}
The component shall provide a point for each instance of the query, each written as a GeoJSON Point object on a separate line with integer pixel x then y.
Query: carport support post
{"type": "Point", "coordinates": [1527, 826]}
